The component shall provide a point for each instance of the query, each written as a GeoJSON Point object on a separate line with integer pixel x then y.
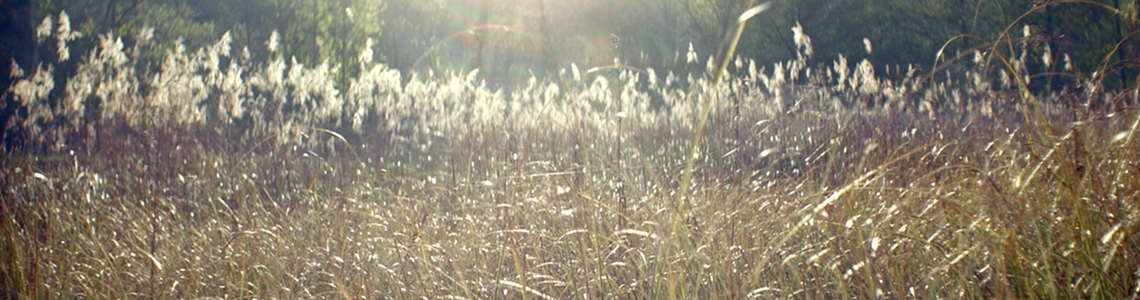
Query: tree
{"type": "Point", "coordinates": [333, 31]}
{"type": "Point", "coordinates": [412, 29]}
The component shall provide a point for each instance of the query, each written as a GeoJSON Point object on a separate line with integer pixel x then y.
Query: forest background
{"type": "Point", "coordinates": [510, 40]}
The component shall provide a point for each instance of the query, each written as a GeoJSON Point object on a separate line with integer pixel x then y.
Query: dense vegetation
{"type": "Point", "coordinates": [331, 162]}
{"type": "Point", "coordinates": [508, 40]}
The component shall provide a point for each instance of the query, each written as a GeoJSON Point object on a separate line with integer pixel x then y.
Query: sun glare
{"type": "Point", "coordinates": [506, 39]}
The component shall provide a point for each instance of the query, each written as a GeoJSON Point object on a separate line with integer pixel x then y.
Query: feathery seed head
{"type": "Point", "coordinates": [14, 69]}
{"type": "Point", "coordinates": [44, 30]}
{"type": "Point", "coordinates": [145, 34]}
{"type": "Point", "coordinates": [691, 57]}
{"type": "Point", "coordinates": [366, 55]}
{"type": "Point", "coordinates": [802, 41]}
{"type": "Point", "coordinates": [273, 41]}
{"type": "Point", "coordinates": [63, 34]}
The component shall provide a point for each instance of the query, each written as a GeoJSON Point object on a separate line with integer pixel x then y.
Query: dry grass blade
{"type": "Point", "coordinates": [793, 182]}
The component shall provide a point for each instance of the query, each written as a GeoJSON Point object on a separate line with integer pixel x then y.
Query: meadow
{"type": "Point", "coordinates": [217, 175]}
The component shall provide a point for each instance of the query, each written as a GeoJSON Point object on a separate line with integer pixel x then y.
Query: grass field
{"type": "Point", "coordinates": [267, 182]}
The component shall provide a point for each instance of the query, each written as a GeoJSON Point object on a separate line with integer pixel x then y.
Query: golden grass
{"type": "Point", "coordinates": [236, 185]}
{"type": "Point", "coordinates": [938, 209]}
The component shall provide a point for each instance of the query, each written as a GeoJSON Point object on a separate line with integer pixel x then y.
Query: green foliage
{"type": "Point", "coordinates": [652, 34]}
{"type": "Point", "coordinates": [712, 20]}
{"type": "Point", "coordinates": [171, 19]}
{"type": "Point", "coordinates": [315, 31]}
{"type": "Point", "coordinates": [172, 23]}
{"type": "Point", "coordinates": [412, 28]}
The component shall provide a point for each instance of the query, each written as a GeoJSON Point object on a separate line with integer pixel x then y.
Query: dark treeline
{"type": "Point", "coordinates": [508, 40]}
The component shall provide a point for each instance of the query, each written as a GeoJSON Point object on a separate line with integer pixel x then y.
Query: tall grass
{"type": "Point", "coordinates": [218, 175]}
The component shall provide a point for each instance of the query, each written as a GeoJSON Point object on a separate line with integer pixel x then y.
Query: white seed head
{"type": "Point", "coordinates": [145, 34]}
{"type": "Point", "coordinates": [803, 42]}
{"type": "Point", "coordinates": [44, 30]}
{"type": "Point", "coordinates": [63, 34]}
{"type": "Point", "coordinates": [691, 57]}
{"type": "Point", "coordinates": [15, 71]}
{"type": "Point", "coordinates": [273, 40]}
{"type": "Point", "coordinates": [366, 55]}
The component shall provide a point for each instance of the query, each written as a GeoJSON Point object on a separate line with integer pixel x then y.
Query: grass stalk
{"type": "Point", "coordinates": [694, 145]}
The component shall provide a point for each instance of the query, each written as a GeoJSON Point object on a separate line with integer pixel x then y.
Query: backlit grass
{"type": "Point", "coordinates": [808, 183]}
